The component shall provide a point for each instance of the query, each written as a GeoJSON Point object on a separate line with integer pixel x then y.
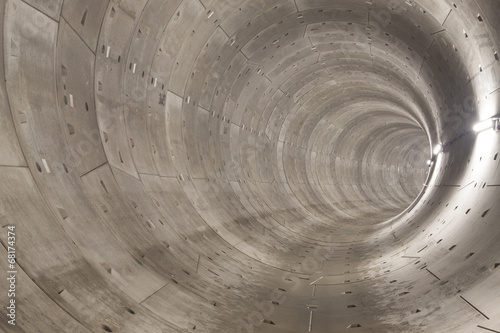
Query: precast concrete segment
{"type": "Point", "coordinates": [250, 166]}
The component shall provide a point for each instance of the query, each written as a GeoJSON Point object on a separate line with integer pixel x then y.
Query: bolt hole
{"type": "Point", "coordinates": [106, 328]}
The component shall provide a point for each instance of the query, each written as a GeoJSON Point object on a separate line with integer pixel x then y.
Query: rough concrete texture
{"type": "Point", "coordinates": [249, 165]}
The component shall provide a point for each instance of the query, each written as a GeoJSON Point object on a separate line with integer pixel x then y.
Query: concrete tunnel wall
{"type": "Point", "coordinates": [250, 166]}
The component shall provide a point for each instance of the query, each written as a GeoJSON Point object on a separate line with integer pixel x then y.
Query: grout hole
{"type": "Point", "coordinates": [130, 311]}
{"type": "Point", "coordinates": [451, 248]}
{"type": "Point", "coordinates": [467, 212]}
{"type": "Point", "coordinates": [479, 18]}
{"type": "Point", "coordinates": [469, 255]}
{"type": "Point", "coordinates": [39, 168]}
{"type": "Point", "coordinates": [485, 212]}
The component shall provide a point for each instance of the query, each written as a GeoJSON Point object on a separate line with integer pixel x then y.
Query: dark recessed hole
{"type": "Point", "coordinates": [451, 248]}
{"type": "Point", "coordinates": [403, 293]}
{"type": "Point", "coordinates": [439, 241]}
{"type": "Point", "coordinates": [119, 58]}
{"type": "Point", "coordinates": [351, 306]}
{"type": "Point", "coordinates": [86, 106]}
{"type": "Point", "coordinates": [496, 56]}
{"type": "Point", "coordinates": [467, 212]}
{"type": "Point", "coordinates": [486, 212]}
{"type": "Point", "coordinates": [469, 255]}
{"type": "Point", "coordinates": [130, 311]}
{"type": "Point", "coordinates": [354, 326]}
{"type": "Point", "coordinates": [267, 321]}
{"type": "Point", "coordinates": [84, 17]}
{"type": "Point", "coordinates": [496, 265]}
{"type": "Point", "coordinates": [479, 18]}
{"type": "Point", "coordinates": [106, 328]}
{"type": "Point", "coordinates": [393, 281]}
{"type": "Point", "coordinates": [104, 187]}
{"type": "Point", "coordinates": [65, 168]}
{"type": "Point", "coordinates": [39, 168]}
{"type": "Point", "coordinates": [456, 207]}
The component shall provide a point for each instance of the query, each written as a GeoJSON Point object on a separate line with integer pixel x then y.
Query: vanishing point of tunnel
{"type": "Point", "coordinates": [249, 166]}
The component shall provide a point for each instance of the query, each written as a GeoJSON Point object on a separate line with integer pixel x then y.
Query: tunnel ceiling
{"type": "Point", "coordinates": [250, 166]}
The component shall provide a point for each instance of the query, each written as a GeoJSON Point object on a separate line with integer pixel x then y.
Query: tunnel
{"type": "Point", "coordinates": [250, 166]}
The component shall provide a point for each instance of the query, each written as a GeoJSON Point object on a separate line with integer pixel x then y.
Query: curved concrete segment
{"type": "Point", "coordinates": [249, 166]}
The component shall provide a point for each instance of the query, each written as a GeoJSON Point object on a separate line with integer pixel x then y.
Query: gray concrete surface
{"type": "Point", "coordinates": [249, 166]}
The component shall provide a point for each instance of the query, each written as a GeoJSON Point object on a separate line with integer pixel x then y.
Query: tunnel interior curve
{"type": "Point", "coordinates": [250, 166]}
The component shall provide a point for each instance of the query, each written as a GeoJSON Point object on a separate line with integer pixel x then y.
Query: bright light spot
{"type": "Point", "coordinates": [483, 126]}
{"type": "Point", "coordinates": [437, 149]}
{"type": "Point", "coordinates": [429, 162]}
